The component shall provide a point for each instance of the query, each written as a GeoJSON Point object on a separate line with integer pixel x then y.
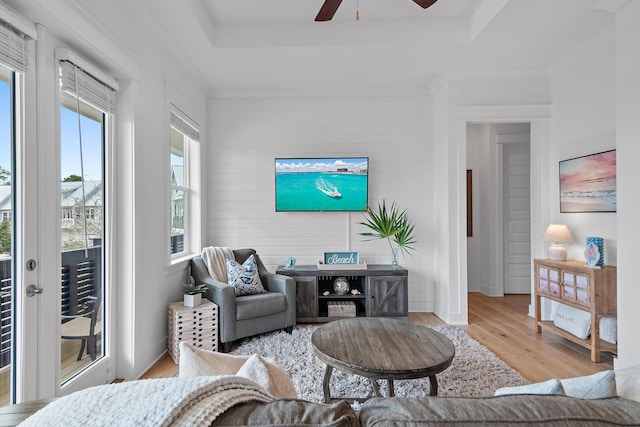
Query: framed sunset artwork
{"type": "Point", "coordinates": [588, 183]}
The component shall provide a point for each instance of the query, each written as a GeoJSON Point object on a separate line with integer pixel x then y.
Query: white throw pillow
{"type": "Point", "coordinates": [573, 320]}
{"type": "Point", "coordinates": [270, 376]}
{"type": "Point", "coordinates": [595, 386]}
{"type": "Point", "coordinates": [197, 362]}
{"type": "Point", "coordinates": [244, 278]}
{"type": "Point", "coordinates": [628, 383]}
{"type": "Point", "coordinates": [547, 387]}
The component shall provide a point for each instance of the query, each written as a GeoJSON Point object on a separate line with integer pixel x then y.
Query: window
{"type": "Point", "coordinates": [184, 137]}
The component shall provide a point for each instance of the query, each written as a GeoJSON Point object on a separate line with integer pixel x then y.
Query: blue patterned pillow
{"type": "Point", "coordinates": [244, 278]}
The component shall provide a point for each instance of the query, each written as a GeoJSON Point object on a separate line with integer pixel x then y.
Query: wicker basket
{"type": "Point", "coordinates": [341, 309]}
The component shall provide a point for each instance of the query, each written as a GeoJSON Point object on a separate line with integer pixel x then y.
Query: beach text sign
{"type": "Point", "coordinates": [341, 258]}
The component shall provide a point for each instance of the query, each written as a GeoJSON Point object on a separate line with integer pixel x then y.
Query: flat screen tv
{"type": "Point", "coordinates": [322, 184]}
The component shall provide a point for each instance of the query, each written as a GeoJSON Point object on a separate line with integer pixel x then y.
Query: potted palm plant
{"type": "Point", "coordinates": [193, 293]}
{"type": "Point", "coordinates": [393, 225]}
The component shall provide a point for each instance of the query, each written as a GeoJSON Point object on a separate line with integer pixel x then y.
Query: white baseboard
{"type": "Point", "coordinates": [154, 357]}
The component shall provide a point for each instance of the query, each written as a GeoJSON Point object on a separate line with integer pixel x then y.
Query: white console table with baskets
{"type": "Point", "coordinates": [196, 325]}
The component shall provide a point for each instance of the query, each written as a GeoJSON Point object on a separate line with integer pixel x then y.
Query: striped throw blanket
{"type": "Point", "coordinates": [215, 258]}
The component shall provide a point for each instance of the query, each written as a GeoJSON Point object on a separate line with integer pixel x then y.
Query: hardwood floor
{"type": "Point", "coordinates": [503, 325]}
{"type": "Point", "coordinates": [69, 367]}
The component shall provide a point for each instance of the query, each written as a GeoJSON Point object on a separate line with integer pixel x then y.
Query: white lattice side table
{"type": "Point", "coordinates": [196, 325]}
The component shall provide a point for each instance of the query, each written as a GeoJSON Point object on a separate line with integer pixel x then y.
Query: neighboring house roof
{"type": "Point", "coordinates": [70, 194]}
{"type": "Point", "coordinates": [177, 175]}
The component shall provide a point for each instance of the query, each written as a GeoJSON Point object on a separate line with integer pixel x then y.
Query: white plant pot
{"type": "Point", "coordinates": [192, 300]}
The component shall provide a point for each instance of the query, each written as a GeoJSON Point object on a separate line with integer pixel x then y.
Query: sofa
{"type": "Point", "coordinates": [217, 389]}
{"type": "Point", "coordinates": [604, 398]}
{"type": "Point", "coordinates": [523, 409]}
{"type": "Point", "coordinates": [547, 410]}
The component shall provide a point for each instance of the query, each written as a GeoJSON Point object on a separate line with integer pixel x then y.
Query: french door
{"type": "Point", "coordinates": [55, 298]}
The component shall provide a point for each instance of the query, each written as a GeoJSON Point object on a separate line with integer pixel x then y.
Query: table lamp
{"type": "Point", "coordinates": [557, 234]}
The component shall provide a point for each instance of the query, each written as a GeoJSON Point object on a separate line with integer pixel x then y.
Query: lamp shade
{"type": "Point", "coordinates": [557, 233]}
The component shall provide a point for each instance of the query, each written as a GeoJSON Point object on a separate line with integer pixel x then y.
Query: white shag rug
{"type": "Point", "coordinates": [474, 372]}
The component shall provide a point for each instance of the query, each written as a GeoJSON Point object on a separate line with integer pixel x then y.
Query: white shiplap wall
{"type": "Point", "coordinates": [246, 135]}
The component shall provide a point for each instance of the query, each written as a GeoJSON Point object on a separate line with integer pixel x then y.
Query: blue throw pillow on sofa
{"type": "Point", "coordinates": [597, 386]}
{"type": "Point", "coordinates": [244, 278]}
{"type": "Point", "coordinates": [547, 387]}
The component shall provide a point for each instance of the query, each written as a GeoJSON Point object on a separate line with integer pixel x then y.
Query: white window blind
{"type": "Point", "coordinates": [13, 48]}
{"type": "Point", "coordinates": [182, 126]}
{"type": "Point", "coordinates": [91, 90]}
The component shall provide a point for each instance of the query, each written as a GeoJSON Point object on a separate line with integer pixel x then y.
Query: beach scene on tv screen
{"type": "Point", "coordinates": [327, 184]}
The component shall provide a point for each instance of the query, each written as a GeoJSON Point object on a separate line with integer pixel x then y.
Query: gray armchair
{"type": "Point", "coordinates": [248, 315]}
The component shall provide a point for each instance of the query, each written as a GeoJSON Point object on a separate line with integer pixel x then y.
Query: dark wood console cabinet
{"type": "Point", "coordinates": [383, 291]}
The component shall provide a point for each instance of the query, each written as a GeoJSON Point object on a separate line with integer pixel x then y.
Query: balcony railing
{"type": "Point", "coordinates": [81, 277]}
{"type": "Point", "coordinates": [177, 244]}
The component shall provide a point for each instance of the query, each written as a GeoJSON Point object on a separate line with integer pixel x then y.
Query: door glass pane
{"type": "Point", "coordinates": [82, 233]}
{"type": "Point", "coordinates": [582, 281]}
{"type": "Point", "coordinates": [7, 324]}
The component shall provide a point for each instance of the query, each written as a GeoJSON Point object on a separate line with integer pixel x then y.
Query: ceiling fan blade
{"type": "Point", "coordinates": [425, 3]}
{"type": "Point", "coordinates": [328, 9]}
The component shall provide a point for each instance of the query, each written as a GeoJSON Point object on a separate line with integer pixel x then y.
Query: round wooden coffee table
{"type": "Point", "coordinates": [379, 348]}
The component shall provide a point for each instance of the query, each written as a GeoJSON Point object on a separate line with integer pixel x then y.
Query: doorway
{"type": "Point", "coordinates": [499, 249]}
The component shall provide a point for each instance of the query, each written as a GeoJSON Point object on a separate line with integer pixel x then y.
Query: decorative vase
{"type": "Point", "coordinates": [394, 257]}
{"type": "Point", "coordinates": [341, 285]}
{"type": "Point", "coordinates": [599, 243]}
{"type": "Point", "coordinates": [192, 300]}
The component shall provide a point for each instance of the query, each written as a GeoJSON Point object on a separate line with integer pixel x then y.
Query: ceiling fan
{"type": "Point", "coordinates": [329, 8]}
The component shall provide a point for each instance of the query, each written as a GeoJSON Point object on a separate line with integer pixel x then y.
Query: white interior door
{"type": "Point", "coordinates": [517, 218]}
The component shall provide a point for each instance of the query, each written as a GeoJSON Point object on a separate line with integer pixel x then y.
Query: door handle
{"type": "Point", "coordinates": [33, 290]}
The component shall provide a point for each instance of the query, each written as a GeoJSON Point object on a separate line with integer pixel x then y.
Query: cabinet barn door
{"type": "Point", "coordinates": [306, 298]}
{"type": "Point", "coordinates": [387, 296]}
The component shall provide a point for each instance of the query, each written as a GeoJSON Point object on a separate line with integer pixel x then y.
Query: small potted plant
{"type": "Point", "coordinates": [193, 293]}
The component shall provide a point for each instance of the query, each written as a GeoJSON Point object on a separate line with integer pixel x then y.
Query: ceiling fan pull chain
{"type": "Point", "coordinates": [357, 11]}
